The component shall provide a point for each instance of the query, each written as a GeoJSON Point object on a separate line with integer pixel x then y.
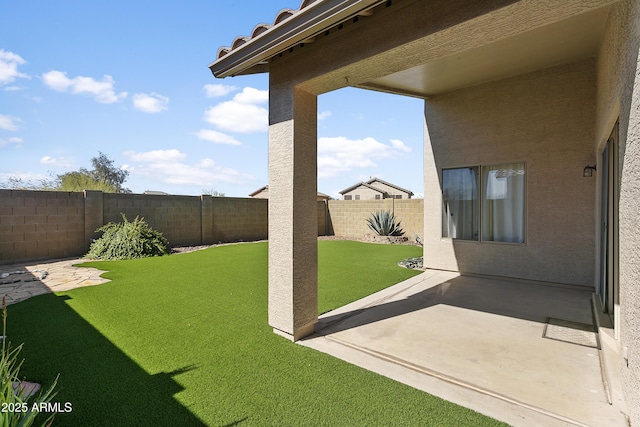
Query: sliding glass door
{"type": "Point", "coordinates": [608, 286]}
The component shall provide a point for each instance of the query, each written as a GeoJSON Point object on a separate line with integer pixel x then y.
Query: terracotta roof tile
{"type": "Point", "coordinates": [259, 29]}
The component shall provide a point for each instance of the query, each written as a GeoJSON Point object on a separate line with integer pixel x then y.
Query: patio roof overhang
{"type": "Point", "coordinates": [564, 41]}
{"type": "Point", "coordinates": [250, 55]}
{"type": "Point", "coordinates": [528, 47]}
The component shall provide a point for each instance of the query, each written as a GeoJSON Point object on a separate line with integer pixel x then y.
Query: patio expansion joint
{"type": "Point", "coordinates": [451, 380]}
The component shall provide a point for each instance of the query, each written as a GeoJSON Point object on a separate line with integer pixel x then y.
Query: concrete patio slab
{"type": "Point", "coordinates": [480, 342]}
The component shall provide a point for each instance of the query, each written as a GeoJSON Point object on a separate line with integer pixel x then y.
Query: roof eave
{"type": "Point", "coordinates": [362, 184]}
{"type": "Point", "coordinates": [303, 24]}
{"type": "Point", "coordinates": [259, 190]}
{"type": "Point", "coordinates": [390, 185]}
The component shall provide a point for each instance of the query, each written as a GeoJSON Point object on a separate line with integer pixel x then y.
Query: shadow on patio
{"type": "Point", "coordinates": [522, 352]}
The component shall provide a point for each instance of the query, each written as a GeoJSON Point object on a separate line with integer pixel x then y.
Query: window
{"type": "Point", "coordinates": [460, 203]}
{"type": "Point", "coordinates": [347, 197]}
{"type": "Point", "coordinates": [377, 197]}
{"type": "Point", "coordinates": [357, 197]}
{"type": "Point", "coordinates": [503, 203]}
{"type": "Point", "coordinates": [500, 216]}
{"type": "Point", "coordinates": [397, 196]}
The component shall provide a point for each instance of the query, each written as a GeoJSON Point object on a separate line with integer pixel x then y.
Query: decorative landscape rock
{"type": "Point", "coordinates": [393, 240]}
{"type": "Point", "coordinates": [35, 275]}
{"type": "Point", "coordinates": [412, 263]}
{"type": "Point", "coordinates": [28, 280]}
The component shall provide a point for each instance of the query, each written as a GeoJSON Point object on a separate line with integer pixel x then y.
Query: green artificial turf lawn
{"type": "Point", "coordinates": [183, 340]}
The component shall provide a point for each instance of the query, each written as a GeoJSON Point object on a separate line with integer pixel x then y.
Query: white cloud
{"type": "Point", "coordinates": [340, 154]}
{"type": "Point", "coordinates": [153, 103]}
{"type": "Point", "coordinates": [217, 90]}
{"type": "Point", "coordinates": [12, 140]}
{"type": "Point", "coordinates": [27, 177]}
{"type": "Point", "coordinates": [102, 91]}
{"type": "Point", "coordinates": [9, 63]}
{"type": "Point", "coordinates": [399, 145]}
{"type": "Point", "coordinates": [9, 122]}
{"type": "Point", "coordinates": [324, 115]}
{"type": "Point", "coordinates": [170, 167]}
{"type": "Point", "coordinates": [251, 95]}
{"type": "Point", "coordinates": [364, 177]}
{"type": "Point", "coordinates": [60, 162]}
{"type": "Point", "coordinates": [46, 160]}
{"type": "Point", "coordinates": [216, 137]}
{"type": "Point", "coordinates": [237, 117]}
{"type": "Point", "coordinates": [56, 80]}
{"type": "Point", "coordinates": [156, 156]}
{"type": "Point", "coordinates": [243, 114]}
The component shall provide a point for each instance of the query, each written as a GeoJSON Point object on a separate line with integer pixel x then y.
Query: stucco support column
{"type": "Point", "coordinates": [293, 218]}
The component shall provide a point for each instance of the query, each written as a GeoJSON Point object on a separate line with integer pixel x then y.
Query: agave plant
{"type": "Point", "coordinates": [384, 223]}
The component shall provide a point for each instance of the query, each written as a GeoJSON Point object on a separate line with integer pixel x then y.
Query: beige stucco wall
{"type": "Point", "coordinates": [546, 120]}
{"type": "Point", "coordinates": [619, 97]}
{"type": "Point", "coordinates": [364, 192]}
{"type": "Point", "coordinates": [367, 193]}
{"type": "Point", "coordinates": [293, 210]}
{"type": "Point", "coordinates": [389, 189]}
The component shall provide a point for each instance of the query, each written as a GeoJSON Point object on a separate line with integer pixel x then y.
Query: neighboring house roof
{"type": "Point", "coordinates": [249, 54]}
{"type": "Point", "coordinates": [371, 181]}
{"type": "Point", "coordinates": [266, 187]}
{"type": "Point", "coordinates": [361, 184]}
{"type": "Point", "coordinates": [259, 190]}
{"type": "Point", "coordinates": [370, 184]}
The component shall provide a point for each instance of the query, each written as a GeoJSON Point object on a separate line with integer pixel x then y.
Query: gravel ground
{"type": "Point", "coordinates": [185, 249]}
{"type": "Point", "coordinates": [373, 239]}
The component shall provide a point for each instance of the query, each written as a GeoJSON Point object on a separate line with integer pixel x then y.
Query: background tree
{"type": "Point", "coordinates": [212, 192]}
{"type": "Point", "coordinates": [104, 177]}
{"type": "Point", "coordinates": [81, 180]}
{"type": "Point", "coordinates": [15, 183]}
{"type": "Point", "coordinates": [105, 172]}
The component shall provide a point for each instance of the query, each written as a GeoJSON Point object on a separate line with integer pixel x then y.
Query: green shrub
{"type": "Point", "coordinates": [127, 240]}
{"type": "Point", "coordinates": [384, 223]}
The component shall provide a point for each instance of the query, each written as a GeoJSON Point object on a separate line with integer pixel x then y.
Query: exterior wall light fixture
{"type": "Point", "coordinates": [588, 171]}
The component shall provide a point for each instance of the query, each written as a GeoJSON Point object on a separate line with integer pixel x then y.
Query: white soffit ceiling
{"type": "Point", "coordinates": [563, 42]}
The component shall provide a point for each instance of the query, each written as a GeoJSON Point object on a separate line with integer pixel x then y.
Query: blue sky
{"type": "Point", "coordinates": [130, 79]}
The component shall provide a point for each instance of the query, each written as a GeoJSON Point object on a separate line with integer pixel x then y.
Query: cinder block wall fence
{"type": "Point", "coordinates": [37, 224]}
{"type": "Point", "coordinates": [50, 224]}
{"type": "Point", "coordinates": [348, 218]}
